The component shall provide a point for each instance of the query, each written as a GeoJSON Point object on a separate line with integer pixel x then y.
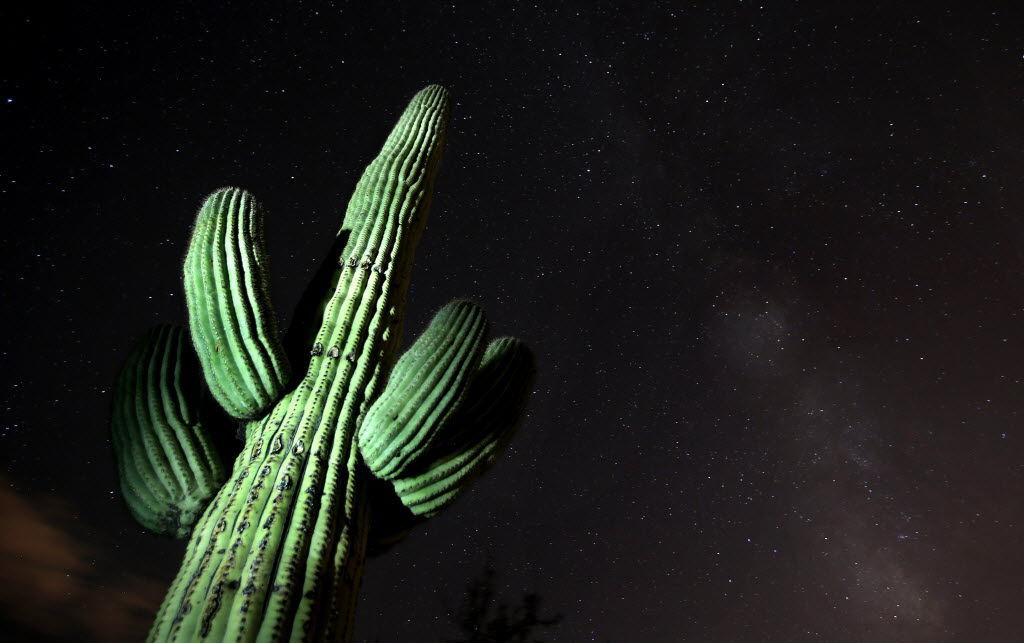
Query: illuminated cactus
{"type": "Point", "coordinates": [278, 553]}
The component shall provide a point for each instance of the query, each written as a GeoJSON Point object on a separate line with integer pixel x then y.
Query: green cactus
{"type": "Point", "coordinates": [327, 466]}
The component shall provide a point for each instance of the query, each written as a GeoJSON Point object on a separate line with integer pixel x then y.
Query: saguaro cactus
{"type": "Point", "coordinates": [278, 553]}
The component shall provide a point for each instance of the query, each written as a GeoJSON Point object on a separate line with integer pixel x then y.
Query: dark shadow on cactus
{"type": "Point", "coordinates": [483, 621]}
{"type": "Point", "coordinates": [390, 520]}
{"type": "Point", "coordinates": [308, 312]}
{"type": "Point", "coordinates": [224, 431]}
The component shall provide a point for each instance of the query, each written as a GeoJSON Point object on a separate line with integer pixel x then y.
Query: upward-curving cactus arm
{"type": "Point", "coordinates": [425, 390]}
{"type": "Point", "coordinates": [233, 326]}
{"type": "Point", "coordinates": [167, 464]}
{"type": "Point", "coordinates": [472, 440]}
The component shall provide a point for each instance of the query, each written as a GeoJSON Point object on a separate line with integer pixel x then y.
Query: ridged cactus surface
{"type": "Point", "coordinates": [167, 464]}
{"type": "Point", "coordinates": [278, 553]}
{"type": "Point", "coordinates": [476, 434]}
{"type": "Point", "coordinates": [233, 326]}
{"type": "Point", "coordinates": [424, 391]}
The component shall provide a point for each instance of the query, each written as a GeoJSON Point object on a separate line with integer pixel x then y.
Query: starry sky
{"type": "Point", "coordinates": [768, 255]}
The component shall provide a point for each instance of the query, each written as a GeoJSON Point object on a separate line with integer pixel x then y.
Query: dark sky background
{"type": "Point", "coordinates": [768, 255]}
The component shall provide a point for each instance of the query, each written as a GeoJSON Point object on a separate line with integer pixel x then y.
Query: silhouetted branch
{"type": "Point", "coordinates": [481, 621]}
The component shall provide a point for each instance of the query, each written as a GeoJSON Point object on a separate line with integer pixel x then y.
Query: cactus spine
{"type": "Point", "coordinates": [278, 553]}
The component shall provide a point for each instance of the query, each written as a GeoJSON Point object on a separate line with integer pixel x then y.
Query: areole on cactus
{"type": "Point", "coordinates": [279, 550]}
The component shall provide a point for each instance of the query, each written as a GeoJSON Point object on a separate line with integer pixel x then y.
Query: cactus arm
{"type": "Point", "coordinates": [180, 409]}
{"type": "Point", "coordinates": [424, 391]}
{"type": "Point", "coordinates": [233, 326]}
{"type": "Point", "coordinates": [134, 462]}
{"type": "Point", "coordinates": [493, 409]}
{"type": "Point", "coordinates": [166, 462]}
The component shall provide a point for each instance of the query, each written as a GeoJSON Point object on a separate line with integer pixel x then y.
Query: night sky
{"type": "Point", "coordinates": [768, 256]}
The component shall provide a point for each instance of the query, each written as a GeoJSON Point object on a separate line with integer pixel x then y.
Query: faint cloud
{"type": "Point", "coordinates": [48, 580]}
